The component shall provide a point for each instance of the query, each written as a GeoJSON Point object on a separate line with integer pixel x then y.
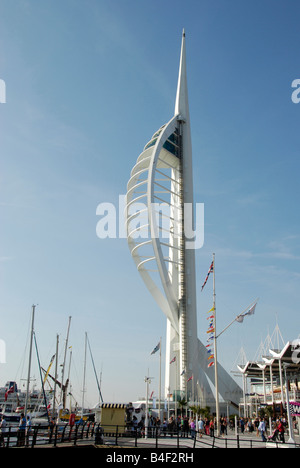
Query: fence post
{"type": "Point", "coordinates": [76, 431]}
{"type": "Point", "coordinates": [35, 432]}
{"type": "Point", "coordinates": [136, 432]}
{"type": "Point", "coordinates": [117, 428]}
{"type": "Point", "coordinates": [55, 436]}
{"type": "Point", "coordinates": [8, 437]}
{"type": "Point", "coordinates": [238, 441]}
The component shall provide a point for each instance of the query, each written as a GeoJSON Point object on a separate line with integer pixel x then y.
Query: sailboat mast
{"type": "Point", "coordinates": [56, 362]}
{"type": "Point", "coordinates": [84, 372]}
{"type": "Point", "coordinates": [29, 363]}
{"type": "Point", "coordinates": [98, 385]}
{"type": "Point", "coordinates": [64, 363]}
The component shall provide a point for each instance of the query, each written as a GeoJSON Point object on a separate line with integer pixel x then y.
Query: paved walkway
{"type": "Point", "coordinates": [245, 440]}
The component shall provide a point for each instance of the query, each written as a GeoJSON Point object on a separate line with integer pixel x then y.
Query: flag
{"type": "Point", "coordinates": [183, 372]}
{"type": "Point", "coordinates": [211, 364]}
{"type": "Point", "coordinates": [10, 390]}
{"type": "Point", "coordinates": [210, 357]}
{"type": "Point", "coordinates": [191, 378]}
{"type": "Point", "coordinates": [173, 360]}
{"type": "Point", "coordinates": [211, 268]}
{"type": "Point", "coordinates": [211, 330]}
{"type": "Point", "coordinates": [240, 318]}
{"type": "Point", "coordinates": [251, 310]}
{"type": "Point", "coordinates": [157, 348]}
{"type": "Point", "coordinates": [211, 310]}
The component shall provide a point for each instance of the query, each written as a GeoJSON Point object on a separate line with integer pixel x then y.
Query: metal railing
{"type": "Point", "coordinates": [157, 438]}
{"type": "Point", "coordinates": [91, 434]}
{"type": "Point", "coordinates": [39, 435]}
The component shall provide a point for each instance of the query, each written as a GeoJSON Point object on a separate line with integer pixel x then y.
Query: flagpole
{"type": "Point", "coordinates": [215, 348]}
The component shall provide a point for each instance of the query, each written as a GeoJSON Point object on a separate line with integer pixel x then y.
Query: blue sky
{"type": "Point", "coordinates": [87, 84]}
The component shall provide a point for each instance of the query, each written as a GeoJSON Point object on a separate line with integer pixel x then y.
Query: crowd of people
{"type": "Point", "coordinates": [259, 425]}
{"type": "Point", "coordinates": [184, 426]}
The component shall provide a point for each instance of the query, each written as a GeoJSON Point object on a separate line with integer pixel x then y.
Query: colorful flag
{"type": "Point", "coordinates": [211, 364]}
{"type": "Point", "coordinates": [173, 360]}
{"type": "Point", "coordinates": [211, 268]}
{"type": "Point", "coordinates": [157, 348]}
{"type": "Point", "coordinates": [191, 378]}
{"type": "Point", "coordinates": [10, 390]}
{"type": "Point", "coordinates": [211, 330]}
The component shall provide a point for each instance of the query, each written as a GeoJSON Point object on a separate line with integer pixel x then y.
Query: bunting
{"type": "Point", "coordinates": [211, 333]}
{"type": "Point", "coordinates": [211, 268]}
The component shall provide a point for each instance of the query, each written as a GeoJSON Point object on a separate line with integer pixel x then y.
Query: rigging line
{"type": "Point", "coordinates": [42, 382]}
{"type": "Point", "coordinates": [95, 370]}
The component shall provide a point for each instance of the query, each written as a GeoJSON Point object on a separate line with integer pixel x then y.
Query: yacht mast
{"type": "Point", "coordinates": [84, 372]}
{"type": "Point", "coordinates": [29, 363]}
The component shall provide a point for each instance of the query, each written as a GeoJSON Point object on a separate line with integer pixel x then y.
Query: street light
{"type": "Point", "coordinates": [148, 381]}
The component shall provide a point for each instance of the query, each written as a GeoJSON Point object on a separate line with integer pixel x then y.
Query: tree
{"type": "Point", "coordinates": [182, 402]}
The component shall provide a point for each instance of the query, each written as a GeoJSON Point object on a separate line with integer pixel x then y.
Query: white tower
{"type": "Point", "coordinates": [160, 230]}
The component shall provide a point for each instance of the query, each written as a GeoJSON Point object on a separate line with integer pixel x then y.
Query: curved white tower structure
{"type": "Point", "coordinates": [159, 208]}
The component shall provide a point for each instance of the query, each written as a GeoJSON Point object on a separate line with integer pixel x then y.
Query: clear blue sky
{"type": "Point", "coordinates": [87, 84]}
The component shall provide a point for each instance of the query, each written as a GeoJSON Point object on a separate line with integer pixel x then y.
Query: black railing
{"type": "Point", "coordinates": [39, 435]}
{"type": "Point", "coordinates": [91, 434]}
{"type": "Point", "coordinates": [158, 438]}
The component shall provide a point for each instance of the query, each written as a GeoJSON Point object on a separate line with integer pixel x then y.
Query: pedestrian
{"type": "Point", "coordinates": [28, 429]}
{"type": "Point", "coordinates": [21, 431]}
{"type": "Point", "coordinates": [280, 428]}
{"type": "Point", "coordinates": [211, 428]}
{"type": "Point", "coordinates": [262, 429]}
{"type": "Point", "coordinates": [222, 424]}
{"type": "Point", "coordinates": [256, 424]}
{"type": "Point", "coordinates": [201, 427]}
{"type": "Point", "coordinates": [3, 430]}
{"type": "Point", "coordinates": [242, 424]}
{"type": "Point", "coordinates": [193, 428]}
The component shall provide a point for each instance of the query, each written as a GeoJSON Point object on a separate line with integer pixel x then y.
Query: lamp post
{"type": "Point", "coordinates": [148, 381]}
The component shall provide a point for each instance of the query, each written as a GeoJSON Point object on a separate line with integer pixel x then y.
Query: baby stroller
{"type": "Point", "coordinates": [274, 435]}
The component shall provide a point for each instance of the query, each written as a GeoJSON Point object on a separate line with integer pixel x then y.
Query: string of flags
{"type": "Point", "coordinates": [211, 268]}
{"type": "Point", "coordinates": [210, 332]}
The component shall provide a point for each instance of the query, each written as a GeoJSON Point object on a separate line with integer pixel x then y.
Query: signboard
{"type": "Point", "coordinates": [295, 408]}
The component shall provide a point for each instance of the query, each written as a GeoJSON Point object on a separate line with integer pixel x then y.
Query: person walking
{"type": "Point", "coordinates": [262, 429]}
{"type": "Point", "coordinates": [2, 430]}
{"type": "Point", "coordinates": [280, 428]}
{"type": "Point", "coordinates": [201, 427]}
